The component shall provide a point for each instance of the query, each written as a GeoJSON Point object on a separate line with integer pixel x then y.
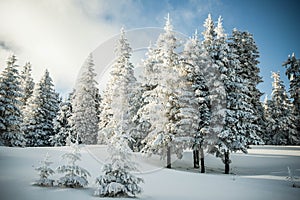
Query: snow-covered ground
{"type": "Point", "coordinates": [261, 174]}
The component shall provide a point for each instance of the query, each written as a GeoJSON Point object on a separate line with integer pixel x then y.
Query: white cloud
{"type": "Point", "coordinates": [55, 34]}
{"type": "Point", "coordinates": [59, 35]}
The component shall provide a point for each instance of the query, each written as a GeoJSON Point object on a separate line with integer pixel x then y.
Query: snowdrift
{"type": "Point", "coordinates": [261, 174]}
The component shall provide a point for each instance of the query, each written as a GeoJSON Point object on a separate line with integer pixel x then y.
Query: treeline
{"type": "Point", "coordinates": [205, 98]}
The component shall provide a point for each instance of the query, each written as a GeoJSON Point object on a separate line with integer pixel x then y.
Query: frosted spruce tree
{"type": "Point", "coordinates": [61, 124]}
{"type": "Point", "coordinates": [160, 107]}
{"type": "Point", "coordinates": [293, 72]}
{"type": "Point", "coordinates": [84, 105]}
{"type": "Point", "coordinates": [26, 83]}
{"type": "Point", "coordinates": [267, 135]}
{"type": "Point", "coordinates": [149, 82]}
{"type": "Point", "coordinates": [72, 135]}
{"type": "Point", "coordinates": [10, 105]}
{"type": "Point", "coordinates": [138, 131]}
{"type": "Point", "coordinates": [194, 98]}
{"type": "Point", "coordinates": [44, 172]}
{"type": "Point", "coordinates": [248, 71]}
{"type": "Point", "coordinates": [236, 134]}
{"type": "Point", "coordinates": [280, 125]}
{"type": "Point", "coordinates": [122, 82]}
{"type": "Point", "coordinates": [209, 35]}
{"type": "Point", "coordinates": [117, 179]}
{"type": "Point", "coordinates": [39, 113]}
{"type": "Point", "coordinates": [75, 176]}
{"type": "Point", "coordinates": [215, 82]}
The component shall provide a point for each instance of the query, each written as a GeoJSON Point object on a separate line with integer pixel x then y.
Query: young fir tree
{"type": "Point", "coordinates": [44, 172]}
{"type": "Point", "coordinates": [293, 72]}
{"type": "Point", "coordinates": [122, 82]}
{"type": "Point", "coordinates": [117, 179]}
{"type": "Point", "coordinates": [248, 71]}
{"type": "Point", "coordinates": [84, 105]}
{"type": "Point", "coordinates": [75, 176]}
{"type": "Point", "coordinates": [10, 105]}
{"type": "Point", "coordinates": [196, 98]}
{"type": "Point", "coordinates": [160, 106]}
{"type": "Point", "coordinates": [39, 113]}
{"type": "Point", "coordinates": [26, 84]}
{"type": "Point", "coordinates": [61, 125]}
{"type": "Point", "coordinates": [281, 126]}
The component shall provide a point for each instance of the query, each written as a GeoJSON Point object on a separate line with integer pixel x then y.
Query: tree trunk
{"type": "Point", "coordinates": [196, 158]}
{"type": "Point", "coordinates": [227, 161]}
{"type": "Point", "coordinates": [169, 157]}
{"type": "Point", "coordinates": [202, 160]}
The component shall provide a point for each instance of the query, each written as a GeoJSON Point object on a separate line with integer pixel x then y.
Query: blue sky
{"type": "Point", "coordinates": [59, 35]}
{"type": "Point", "coordinates": [275, 25]}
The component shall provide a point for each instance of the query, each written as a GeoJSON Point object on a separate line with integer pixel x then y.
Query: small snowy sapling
{"type": "Point", "coordinates": [44, 172]}
{"type": "Point", "coordinates": [291, 177]}
{"type": "Point", "coordinates": [75, 176]}
{"type": "Point", "coordinates": [117, 180]}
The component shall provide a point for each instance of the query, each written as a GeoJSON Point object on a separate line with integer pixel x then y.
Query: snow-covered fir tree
{"type": "Point", "coordinates": [267, 135]}
{"type": "Point", "coordinates": [122, 84]}
{"type": "Point", "coordinates": [209, 34]}
{"type": "Point", "coordinates": [75, 176]}
{"type": "Point", "coordinates": [26, 84]}
{"type": "Point", "coordinates": [117, 179]}
{"type": "Point", "coordinates": [84, 105]}
{"type": "Point", "coordinates": [149, 82]}
{"type": "Point", "coordinates": [280, 125]}
{"type": "Point", "coordinates": [236, 134]}
{"type": "Point", "coordinates": [44, 172]}
{"type": "Point", "coordinates": [194, 97]}
{"type": "Point", "coordinates": [248, 71]}
{"type": "Point", "coordinates": [72, 135]}
{"type": "Point", "coordinates": [293, 72]}
{"type": "Point", "coordinates": [139, 130]}
{"type": "Point", "coordinates": [61, 124]}
{"type": "Point", "coordinates": [215, 82]}
{"type": "Point", "coordinates": [10, 105]}
{"type": "Point", "coordinates": [40, 111]}
{"type": "Point", "coordinates": [105, 116]}
{"type": "Point", "coordinates": [160, 106]}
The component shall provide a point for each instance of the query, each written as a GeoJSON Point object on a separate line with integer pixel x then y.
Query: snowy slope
{"type": "Point", "coordinates": [259, 175]}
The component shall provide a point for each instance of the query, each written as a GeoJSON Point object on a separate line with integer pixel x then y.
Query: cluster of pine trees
{"type": "Point", "coordinates": [282, 111]}
{"type": "Point", "coordinates": [33, 114]}
{"type": "Point", "coordinates": [27, 109]}
{"type": "Point", "coordinates": [204, 97]}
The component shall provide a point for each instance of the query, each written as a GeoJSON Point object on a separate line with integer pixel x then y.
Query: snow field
{"type": "Point", "coordinates": [261, 174]}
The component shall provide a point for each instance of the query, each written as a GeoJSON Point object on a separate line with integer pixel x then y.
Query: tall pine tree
{"type": "Point", "coordinates": [85, 104]}
{"type": "Point", "coordinates": [160, 105]}
{"type": "Point", "coordinates": [293, 72]}
{"type": "Point", "coordinates": [280, 126]}
{"type": "Point", "coordinates": [10, 105]}
{"type": "Point", "coordinates": [40, 111]}
{"type": "Point", "coordinates": [248, 71]}
{"type": "Point", "coordinates": [61, 124]}
{"type": "Point", "coordinates": [195, 61]}
{"type": "Point", "coordinates": [237, 133]}
{"type": "Point", "coordinates": [149, 82]}
{"type": "Point", "coordinates": [120, 88]}
{"type": "Point", "coordinates": [26, 84]}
